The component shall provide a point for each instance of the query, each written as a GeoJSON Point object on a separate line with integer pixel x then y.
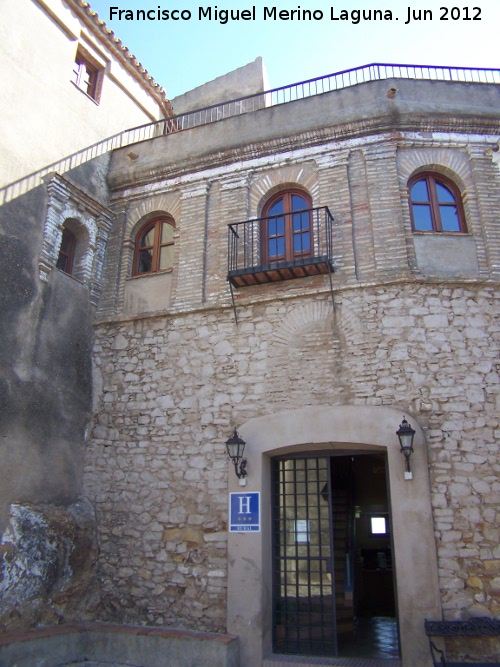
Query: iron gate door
{"type": "Point", "coordinates": [304, 608]}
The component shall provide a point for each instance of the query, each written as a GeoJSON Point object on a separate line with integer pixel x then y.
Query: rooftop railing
{"type": "Point", "coordinates": [250, 103]}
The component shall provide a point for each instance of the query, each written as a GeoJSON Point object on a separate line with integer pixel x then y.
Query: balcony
{"type": "Point", "coordinates": [280, 247]}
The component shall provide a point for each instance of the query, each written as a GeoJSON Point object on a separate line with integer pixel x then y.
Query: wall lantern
{"type": "Point", "coordinates": [406, 434]}
{"type": "Point", "coordinates": [235, 447]}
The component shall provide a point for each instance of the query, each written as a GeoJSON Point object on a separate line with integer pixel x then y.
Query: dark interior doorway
{"type": "Point", "coordinates": [333, 578]}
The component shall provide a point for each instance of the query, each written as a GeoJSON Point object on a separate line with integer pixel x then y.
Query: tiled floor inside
{"type": "Point", "coordinates": [376, 637]}
{"type": "Point", "coordinates": [375, 645]}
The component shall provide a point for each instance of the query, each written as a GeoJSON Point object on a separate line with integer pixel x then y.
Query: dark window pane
{"type": "Point", "coordinates": [66, 251]}
{"type": "Point", "coordinates": [443, 194]}
{"type": "Point", "coordinates": [419, 191]}
{"type": "Point", "coordinates": [62, 262]}
{"type": "Point", "coordinates": [67, 241]}
{"type": "Point", "coordinates": [148, 238]}
{"type": "Point", "coordinates": [298, 203]}
{"type": "Point", "coordinates": [422, 219]}
{"type": "Point", "coordinates": [145, 263]}
{"type": "Point", "coordinates": [449, 219]}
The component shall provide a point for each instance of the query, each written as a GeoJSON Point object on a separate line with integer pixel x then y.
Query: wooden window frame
{"type": "Point", "coordinates": [431, 178]}
{"type": "Point", "coordinates": [289, 255]}
{"type": "Point", "coordinates": [156, 225]}
{"type": "Point", "coordinates": [67, 257]}
{"type": "Point", "coordinates": [85, 64]}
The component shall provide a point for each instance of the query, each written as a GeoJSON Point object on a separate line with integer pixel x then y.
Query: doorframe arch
{"type": "Point", "coordinates": [328, 428]}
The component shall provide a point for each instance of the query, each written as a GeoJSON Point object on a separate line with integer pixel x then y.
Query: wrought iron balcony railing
{"type": "Point", "coordinates": [280, 247]}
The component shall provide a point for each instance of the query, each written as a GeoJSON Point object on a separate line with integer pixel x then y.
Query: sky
{"type": "Point", "coordinates": [183, 54]}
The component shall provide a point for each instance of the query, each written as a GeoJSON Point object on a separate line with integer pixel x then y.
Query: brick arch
{"type": "Point", "coordinates": [83, 226]}
{"type": "Point", "coordinates": [301, 318]}
{"type": "Point", "coordinates": [152, 215]}
{"type": "Point", "coordinates": [349, 323]}
{"type": "Point", "coordinates": [86, 233]}
{"type": "Point", "coordinates": [303, 177]}
{"type": "Point", "coordinates": [452, 164]}
{"type": "Point", "coordinates": [152, 207]}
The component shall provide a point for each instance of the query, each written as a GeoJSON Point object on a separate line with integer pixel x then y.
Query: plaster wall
{"type": "Point", "coordinates": [247, 80]}
{"type": "Point", "coordinates": [47, 532]}
{"type": "Point", "coordinates": [446, 255]}
{"type": "Point", "coordinates": [156, 297]}
{"type": "Point", "coordinates": [46, 405]}
{"type": "Point", "coordinates": [46, 331]}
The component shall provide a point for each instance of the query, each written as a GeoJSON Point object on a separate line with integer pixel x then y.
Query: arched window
{"type": "Point", "coordinates": [66, 257]}
{"type": "Point", "coordinates": [435, 204]}
{"type": "Point", "coordinates": [286, 227]}
{"type": "Point", "coordinates": [154, 247]}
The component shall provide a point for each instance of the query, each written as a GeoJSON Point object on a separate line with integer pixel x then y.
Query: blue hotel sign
{"type": "Point", "coordinates": [244, 512]}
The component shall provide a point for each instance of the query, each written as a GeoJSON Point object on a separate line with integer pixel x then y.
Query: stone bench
{"type": "Point", "coordinates": [475, 627]}
{"type": "Point", "coordinates": [96, 644]}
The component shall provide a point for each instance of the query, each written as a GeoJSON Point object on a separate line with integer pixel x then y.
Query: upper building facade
{"type": "Point", "coordinates": [68, 82]}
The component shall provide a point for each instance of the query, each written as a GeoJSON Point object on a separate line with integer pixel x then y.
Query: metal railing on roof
{"type": "Point", "coordinates": [250, 103]}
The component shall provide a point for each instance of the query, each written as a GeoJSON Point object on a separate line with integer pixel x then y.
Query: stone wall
{"type": "Point", "coordinates": [174, 387]}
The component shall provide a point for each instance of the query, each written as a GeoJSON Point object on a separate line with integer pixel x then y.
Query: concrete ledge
{"type": "Point", "coordinates": [114, 644]}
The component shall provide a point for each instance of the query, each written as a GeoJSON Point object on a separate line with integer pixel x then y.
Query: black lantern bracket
{"type": "Point", "coordinates": [406, 434]}
{"type": "Point", "coordinates": [235, 446]}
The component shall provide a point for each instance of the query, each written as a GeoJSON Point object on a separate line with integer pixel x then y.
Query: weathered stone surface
{"type": "Point", "coordinates": [47, 565]}
{"type": "Point", "coordinates": [178, 518]}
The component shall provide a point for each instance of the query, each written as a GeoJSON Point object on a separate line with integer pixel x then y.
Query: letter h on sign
{"type": "Point", "coordinates": [244, 512]}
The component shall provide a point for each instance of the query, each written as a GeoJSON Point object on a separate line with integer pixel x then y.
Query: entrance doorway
{"type": "Point", "coordinates": [333, 577]}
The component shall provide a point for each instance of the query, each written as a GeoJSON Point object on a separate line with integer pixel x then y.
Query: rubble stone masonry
{"type": "Point", "coordinates": [173, 388]}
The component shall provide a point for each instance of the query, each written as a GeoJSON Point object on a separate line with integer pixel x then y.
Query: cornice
{"type": "Point", "coordinates": [63, 188]}
{"type": "Point", "coordinates": [388, 127]}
